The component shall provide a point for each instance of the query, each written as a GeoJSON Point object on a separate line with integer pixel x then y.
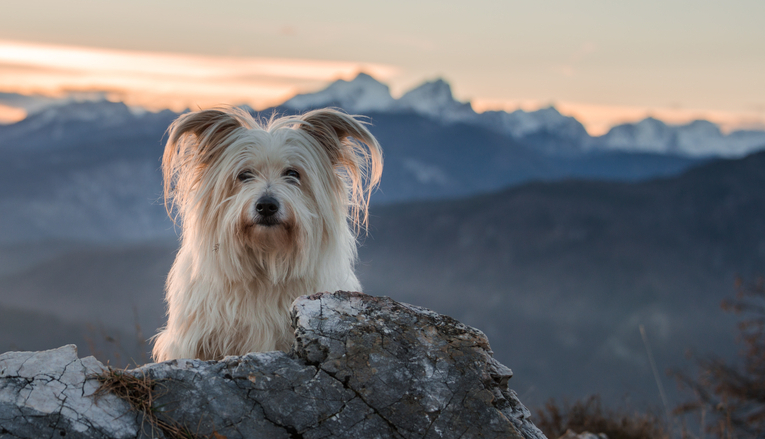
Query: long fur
{"type": "Point", "coordinates": [234, 279]}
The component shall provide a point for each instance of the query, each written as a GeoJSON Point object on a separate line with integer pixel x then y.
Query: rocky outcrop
{"type": "Point", "coordinates": [361, 367]}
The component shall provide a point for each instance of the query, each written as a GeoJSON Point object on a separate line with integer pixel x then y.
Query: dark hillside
{"type": "Point", "coordinates": [564, 273]}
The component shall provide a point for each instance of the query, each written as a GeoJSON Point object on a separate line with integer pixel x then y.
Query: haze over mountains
{"type": "Point", "coordinates": [485, 217]}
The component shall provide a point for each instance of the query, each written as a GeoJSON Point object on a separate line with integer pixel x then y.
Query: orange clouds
{"type": "Point", "coordinates": [167, 80]}
{"type": "Point", "coordinates": [156, 80]}
{"type": "Point", "coordinates": [11, 114]}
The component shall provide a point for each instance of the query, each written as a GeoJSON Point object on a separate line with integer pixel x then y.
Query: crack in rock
{"type": "Point", "coordinates": [361, 366]}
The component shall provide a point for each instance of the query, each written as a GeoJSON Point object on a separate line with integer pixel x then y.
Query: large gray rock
{"type": "Point", "coordinates": [43, 394]}
{"type": "Point", "coordinates": [361, 367]}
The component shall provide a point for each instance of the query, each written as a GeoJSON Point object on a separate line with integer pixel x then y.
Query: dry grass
{"type": "Point", "coordinates": [589, 415]}
{"type": "Point", "coordinates": [141, 392]}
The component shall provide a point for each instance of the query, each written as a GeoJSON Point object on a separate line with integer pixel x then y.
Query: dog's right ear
{"type": "Point", "coordinates": [194, 141]}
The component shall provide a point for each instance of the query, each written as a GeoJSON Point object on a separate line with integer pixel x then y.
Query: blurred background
{"type": "Point", "coordinates": [558, 174]}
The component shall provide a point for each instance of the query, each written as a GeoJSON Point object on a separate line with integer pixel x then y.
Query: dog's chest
{"type": "Point", "coordinates": [251, 321]}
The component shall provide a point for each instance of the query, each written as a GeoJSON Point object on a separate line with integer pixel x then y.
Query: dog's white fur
{"type": "Point", "coordinates": [230, 289]}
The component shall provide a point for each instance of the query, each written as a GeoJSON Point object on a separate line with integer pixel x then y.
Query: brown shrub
{"type": "Point", "coordinates": [730, 397]}
{"type": "Point", "coordinates": [589, 415]}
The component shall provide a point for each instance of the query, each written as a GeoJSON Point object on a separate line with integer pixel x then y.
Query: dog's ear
{"type": "Point", "coordinates": [194, 141]}
{"type": "Point", "coordinates": [207, 127]}
{"type": "Point", "coordinates": [353, 149]}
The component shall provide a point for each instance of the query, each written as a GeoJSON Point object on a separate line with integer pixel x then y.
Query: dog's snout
{"type": "Point", "coordinates": [267, 206]}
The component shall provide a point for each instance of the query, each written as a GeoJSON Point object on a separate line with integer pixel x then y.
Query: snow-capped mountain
{"type": "Point", "coordinates": [66, 169]}
{"type": "Point", "coordinates": [91, 170]}
{"type": "Point", "coordinates": [59, 120]}
{"type": "Point", "coordinates": [362, 94]}
{"type": "Point", "coordinates": [521, 123]}
{"type": "Point", "coordinates": [546, 129]}
{"type": "Point", "coordinates": [699, 138]}
{"type": "Point", "coordinates": [105, 113]}
{"type": "Point", "coordinates": [434, 99]}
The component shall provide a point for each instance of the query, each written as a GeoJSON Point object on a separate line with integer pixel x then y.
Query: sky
{"type": "Point", "coordinates": [602, 61]}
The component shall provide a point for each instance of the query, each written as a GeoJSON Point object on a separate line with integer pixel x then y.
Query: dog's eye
{"type": "Point", "coordinates": [245, 175]}
{"type": "Point", "coordinates": [292, 174]}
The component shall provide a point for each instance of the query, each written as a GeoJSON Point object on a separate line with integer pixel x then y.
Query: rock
{"type": "Point", "coordinates": [48, 394]}
{"type": "Point", "coordinates": [571, 434]}
{"type": "Point", "coordinates": [361, 367]}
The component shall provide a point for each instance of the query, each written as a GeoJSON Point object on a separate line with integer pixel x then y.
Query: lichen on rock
{"type": "Point", "coordinates": [361, 367]}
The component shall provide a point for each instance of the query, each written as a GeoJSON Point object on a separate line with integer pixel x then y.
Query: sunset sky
{"type": "Point", "coordinates": [603, 61]}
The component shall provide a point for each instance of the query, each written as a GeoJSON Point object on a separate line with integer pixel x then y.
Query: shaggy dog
{"type": "Point", "coordinates": [268, 213]}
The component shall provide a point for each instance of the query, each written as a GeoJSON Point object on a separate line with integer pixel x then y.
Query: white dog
{"type": "Point", "coordinates": [268, 213]}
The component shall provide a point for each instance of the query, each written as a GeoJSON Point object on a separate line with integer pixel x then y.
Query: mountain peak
{"type": "Point", "coordinates": [699, 138]}
{"type": "Point", "coordinates": [435, 99]}
{"type": "Point", "coordinates": [104, 113]}
{"type": "Point", "coordinates": [437, 91]}
{"type": "Point", "coordinates": [362, 93]}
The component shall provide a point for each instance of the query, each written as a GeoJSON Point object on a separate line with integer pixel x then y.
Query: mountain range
{"type": "Point", "coordinates": [434, 100]}
{"type": "Point", "coordinates": [90, 170]}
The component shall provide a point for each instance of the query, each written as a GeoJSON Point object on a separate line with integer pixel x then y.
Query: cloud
{"type": "Point", "coordinates": [11, 114]}
{"type": "Point", "coordinates": [167, 80]}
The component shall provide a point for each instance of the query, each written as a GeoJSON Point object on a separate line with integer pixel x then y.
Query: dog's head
{"type": "Point", "coordinates": [274, 192]}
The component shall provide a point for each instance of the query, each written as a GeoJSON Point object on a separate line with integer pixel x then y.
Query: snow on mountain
{"type": "Point", "coordinates": [546, 129]}
{"type": "Point", "coordinates": [648, 135]}
{"type": "Point", "coordinates": [521, 123]}
{"type": "Point", "coordinates": [699, 138]}
{"type": "Point", "coordinates": [363, 93]}
{"type": "Point", "coordinates": [103, 112]}
{"type": "Point", "coordinates": [29, 103]}
{"type": "Point", "coordinates": [60, 118]}
{"type": "Point", "coordinates": [66, 125]}
{"type": "Point", "coordinates": [434, 99]}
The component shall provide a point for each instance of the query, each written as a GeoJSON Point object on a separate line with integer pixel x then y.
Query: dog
{"type": "Point", "coordinates": [268, 211]}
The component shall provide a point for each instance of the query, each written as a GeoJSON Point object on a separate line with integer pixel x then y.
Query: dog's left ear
{"type": "Point", "coordinates": [353, 149]}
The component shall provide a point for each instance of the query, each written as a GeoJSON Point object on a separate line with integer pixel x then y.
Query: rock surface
{"type": "Point", "coordinates": [361, 367]}
{"type": "Point", "coordinates": [570, 434]}
{"type": "Point", "coordinates": [43, 394]}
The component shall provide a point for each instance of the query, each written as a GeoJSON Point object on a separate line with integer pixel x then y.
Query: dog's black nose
{"type": "Point", "coordinates": [267, 206]}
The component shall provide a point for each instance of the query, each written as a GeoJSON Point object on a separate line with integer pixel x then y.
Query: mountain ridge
{"type": "Point", "coordinates": [93, 173]}
{"type": "Point", "coordinates": [434, 99]}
